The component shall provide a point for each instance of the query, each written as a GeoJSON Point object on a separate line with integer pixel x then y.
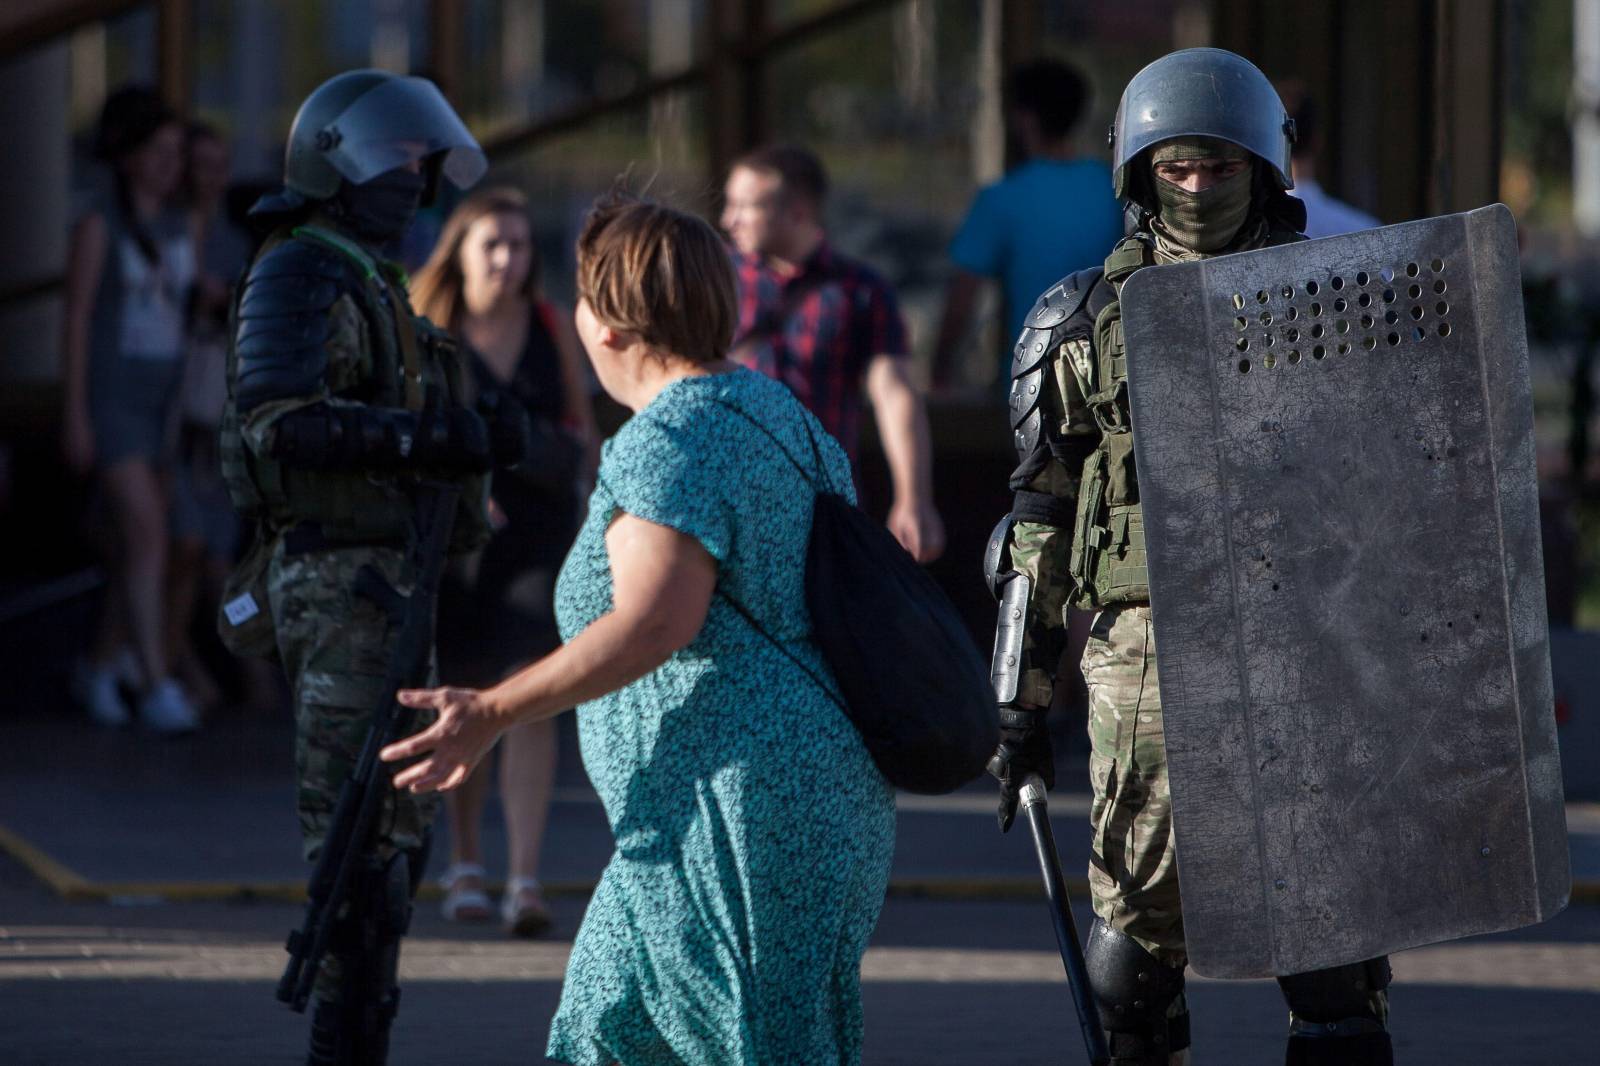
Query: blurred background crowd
{"type": "Point", "coordinates": [960, 167]}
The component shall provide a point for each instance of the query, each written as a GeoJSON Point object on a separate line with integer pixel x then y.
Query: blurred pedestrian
{"type": "Point", "coordinates": [482, 284]}
{"type": "Point", "coordinates": [823, 323]}
{"type": "Point", "coordinates": [205, 528]}
{"type": "Point", "coordinates": [130, 272]}
{"type": "Point", "coordinates": [753, 830]}
{"type": "Point", "coordinates": [1325, 215]}
{"type": "Point", "coordinates": [1051, 215]}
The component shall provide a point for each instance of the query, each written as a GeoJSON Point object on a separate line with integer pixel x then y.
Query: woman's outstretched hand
{"type": "Point", "coordinates": [465, 731]}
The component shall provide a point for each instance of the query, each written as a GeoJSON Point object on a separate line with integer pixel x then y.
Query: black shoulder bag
{"type": "Point", "coordinates": [910, 677]}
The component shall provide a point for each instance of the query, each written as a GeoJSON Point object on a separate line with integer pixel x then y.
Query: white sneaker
{"type": "Point", "coordinates": [95, 687]}
{"type": "Point", "coordinates": [165, 709]}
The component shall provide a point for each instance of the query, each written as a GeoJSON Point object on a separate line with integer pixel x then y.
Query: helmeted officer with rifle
{"type": "Point", "coordinates": [347, 442]}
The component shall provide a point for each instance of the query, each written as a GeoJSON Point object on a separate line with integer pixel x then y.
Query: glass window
{"type": "Point", "coordinates": [106, 55]}
{"type": "Point", "coordinates": [526, 59]}
{"type": "Point", "coordinates": [889, 103]}
{"type": "Point", "coordinates": [255, 60]}
{"type": "Point", "coordinates": [902, 104]}
{"type": "Point", "coordinates": [659, 148]}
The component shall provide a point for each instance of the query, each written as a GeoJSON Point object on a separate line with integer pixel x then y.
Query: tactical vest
{"type": "Point", "coordinates": [1108, 556]}
{"type": "Point", "coordinates": [414, 364]}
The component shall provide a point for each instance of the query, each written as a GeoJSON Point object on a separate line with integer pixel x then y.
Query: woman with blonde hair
{"type": "Point", "coordinates": [482, 284]}
{"type": "Point", "coordinates": [753, 831]}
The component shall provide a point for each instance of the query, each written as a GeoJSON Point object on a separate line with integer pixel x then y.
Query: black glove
{"type": "Point", "coordinates": [1024, 749]}
{"type": "Point", "coordinates": [453, 439]}
{"type": "Point", "coordinates": [510, 430]}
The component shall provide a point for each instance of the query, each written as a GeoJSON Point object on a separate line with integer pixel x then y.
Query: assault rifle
{"type": "Point", "coordinates": [361, 796]}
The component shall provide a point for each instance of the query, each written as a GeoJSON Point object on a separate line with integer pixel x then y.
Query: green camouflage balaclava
{"type": "Point", "coordinates": [1207, 220]}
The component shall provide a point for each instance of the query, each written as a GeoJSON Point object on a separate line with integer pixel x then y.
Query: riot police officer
{"type": "Point", "coordinates": [1200, 174]}
{"type": "Point", "coordinates": [341, 403]}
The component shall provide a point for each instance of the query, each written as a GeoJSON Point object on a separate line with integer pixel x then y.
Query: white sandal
{"type": "Point", "coordinates": [524, 919]}
{"type": "Point", "coordinates": [463, 903]}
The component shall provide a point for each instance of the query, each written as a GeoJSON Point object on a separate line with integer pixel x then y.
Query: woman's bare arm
{"type": "Point", "coordinates": [662, 585]}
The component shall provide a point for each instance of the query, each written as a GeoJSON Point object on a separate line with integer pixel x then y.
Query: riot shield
{"type": "Point", "coordinates": [1335, 450]}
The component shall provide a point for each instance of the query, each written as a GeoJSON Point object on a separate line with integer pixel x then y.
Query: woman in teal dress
{"type": "Point", "coordinates": [753, 832]}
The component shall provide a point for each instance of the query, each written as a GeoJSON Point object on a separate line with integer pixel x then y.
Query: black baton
{"type": "Point", "coordinates": [1044, 842]}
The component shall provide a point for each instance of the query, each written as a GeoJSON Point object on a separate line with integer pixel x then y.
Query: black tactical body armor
{"type": "Point", "coordinates": [397, 370]}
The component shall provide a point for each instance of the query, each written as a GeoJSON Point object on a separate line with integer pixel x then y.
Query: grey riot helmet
{"type": "Point", "coordinates": [1207, 92]}
{"type": "Point", "coordinates": [363, 123]}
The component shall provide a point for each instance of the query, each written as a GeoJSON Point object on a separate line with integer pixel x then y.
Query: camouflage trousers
{"type": "Point", "coordinates": [336, 648]}
{"type": "Point", "coordinates": [1133, 871]}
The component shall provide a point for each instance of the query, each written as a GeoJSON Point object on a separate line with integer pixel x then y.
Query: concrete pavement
{"type": "Point", "coordinates": [149, 883]}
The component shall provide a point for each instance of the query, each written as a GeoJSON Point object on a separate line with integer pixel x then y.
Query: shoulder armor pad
{"type": "Point", "coordinates": [1052, 319]}
{"type": "Point", "coordinates": [301, 257]}
{"type": "Point", "coordinates": [1061, 299]}
{"type": "Point", "coordinates": [1058, 304]}
{"type": "Point", "coordinates": [283, 321]}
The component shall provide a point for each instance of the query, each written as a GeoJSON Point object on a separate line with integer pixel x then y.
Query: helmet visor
{"type": "Point", "coordinates": [396, 123]}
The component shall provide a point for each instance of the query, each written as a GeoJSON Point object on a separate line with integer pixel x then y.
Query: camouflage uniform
{"type": "Point", "coordinates": [336, 647]}
{"type": "Point", "coordinates": [318, 527]}
{"type": "Point", "coordinates": [1133, 875]}
{"type": "Point", "coordinates": [1075, 539]}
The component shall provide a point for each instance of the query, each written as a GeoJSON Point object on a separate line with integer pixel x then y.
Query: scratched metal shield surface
{"type": "Point", "coordinates": [1335, 451]}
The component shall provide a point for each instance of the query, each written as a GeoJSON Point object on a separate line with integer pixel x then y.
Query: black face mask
{"type": "Point", "coordinates": [379, 210]}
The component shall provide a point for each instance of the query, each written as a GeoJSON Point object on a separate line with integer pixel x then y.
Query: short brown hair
{"type": "Point", "coordinates": [799, 170]}
{"type": "Point", "coordinates": [662, 274]}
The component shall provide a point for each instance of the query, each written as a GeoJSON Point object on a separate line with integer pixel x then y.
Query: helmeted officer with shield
{"type": "Point", "coordinates": [346, 411]}
{"type": "Point", "coordinates": [1201, 174]}
{"type": "Point", "coordinates": [1316, 460]}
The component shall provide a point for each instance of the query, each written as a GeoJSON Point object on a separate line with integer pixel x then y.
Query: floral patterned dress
{"type": "Point", "coordinates": [753, 832]}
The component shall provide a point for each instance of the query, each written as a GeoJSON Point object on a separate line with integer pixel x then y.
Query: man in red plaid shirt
{"type": "Point", "coordinates": [823, 323]}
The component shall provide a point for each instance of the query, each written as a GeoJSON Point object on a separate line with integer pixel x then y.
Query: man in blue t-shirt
{"type": "Point", "coordinates": [1053, 214]}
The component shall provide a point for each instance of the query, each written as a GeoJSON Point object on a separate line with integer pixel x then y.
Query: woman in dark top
{"type": "Point", "coordinates": [481, 283]}
{"type": "Point", "coordinates": [129, 285]}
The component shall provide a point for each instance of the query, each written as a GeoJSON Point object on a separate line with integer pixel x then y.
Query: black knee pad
{"type": "Point", "coordinates": [1134, 991]}
{"type": "Point", "coordinates": [417, 860]}
{"type": "Point", "coordinates": [390, 890]}
{"type": "Point", "coordinates": [369, 935]}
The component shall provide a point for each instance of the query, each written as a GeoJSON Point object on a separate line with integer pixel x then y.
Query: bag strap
{"type": "Point", "coordinates": [739, 608]}
{"type": "Point", "coordinates": [750, 620]}
{"type": "Point", "coordinates": [816, 452]}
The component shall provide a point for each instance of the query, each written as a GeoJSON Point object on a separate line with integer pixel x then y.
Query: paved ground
{"type": "Point", "coordinates": [946, 982]}
{"type": "Point", "coordinates": [177, 968]}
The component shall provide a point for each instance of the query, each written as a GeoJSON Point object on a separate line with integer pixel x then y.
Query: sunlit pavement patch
{"type": "Point", "coordinates": [79, 953]}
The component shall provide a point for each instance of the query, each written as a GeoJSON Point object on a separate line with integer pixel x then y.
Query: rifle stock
{"type": "Point", "coordinates": [349, 840]}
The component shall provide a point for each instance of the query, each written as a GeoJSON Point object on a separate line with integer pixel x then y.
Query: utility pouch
{"type": "Point", "coordinates": [1122, 484]}
{"type": "Point", "coordinates": [1122, 576]}
{"type": "Point", "coordinates": [244, 619]}
{"type": "Point", "coordinates": [1089, 533]}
